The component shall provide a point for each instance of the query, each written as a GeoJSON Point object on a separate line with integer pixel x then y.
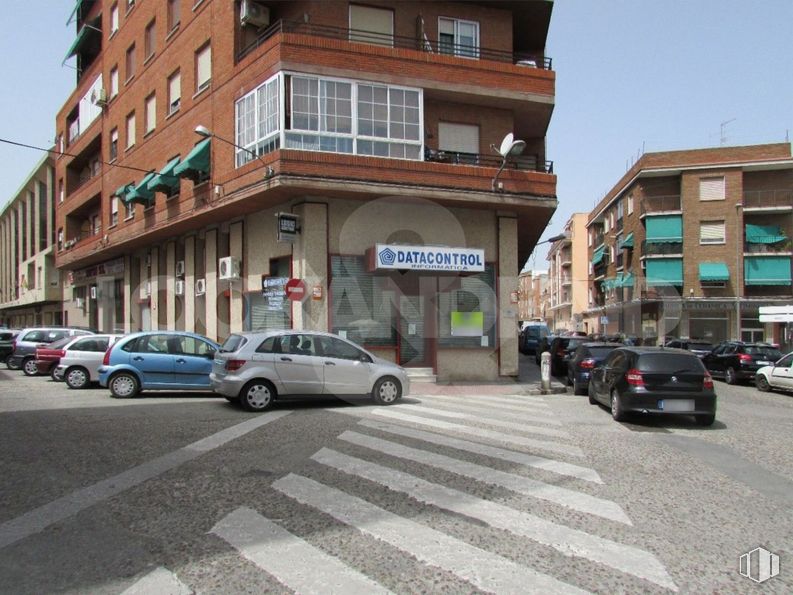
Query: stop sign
{"type": "Point", "coordinates": [295, 290]}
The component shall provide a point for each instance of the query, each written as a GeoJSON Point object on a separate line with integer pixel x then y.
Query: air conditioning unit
{"type": "Point", "coordinates": [79, 302]}
{"type": "Point", "coordinates": [254, 14]}
{"type": "Point", "coordinates": [93, 292]}
{"type": "Point", "coordinates": [178, 287]}
{"type": "Point", "coordinates": [228, 268]}
{"type": "Point", "coordinates": [200, 286]}
{"type": "Point", "coordinates": [99, 96]}
{"type": "Point", "coordinates": [180, 268]}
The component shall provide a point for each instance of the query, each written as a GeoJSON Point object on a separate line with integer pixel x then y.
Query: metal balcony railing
{"type": "Point", "coordinates": [765, 199]}
{"type": "Point", "coordinates": [661, 249]}
{"type": "Point", "coordinates": [658, 204]}
{"type": "Point", "coordinates": [519, 162]}
{"type": "Point", "coordinates": [421, 44]}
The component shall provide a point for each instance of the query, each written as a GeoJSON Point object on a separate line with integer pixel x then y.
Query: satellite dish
{"type": "Point", "coordinates": [510, 146]}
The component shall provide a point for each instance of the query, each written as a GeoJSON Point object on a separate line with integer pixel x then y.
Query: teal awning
{"type": "Point", "coordinates": [627, 242]}
{"type": "Point", "coordinates": [598, 255]}
{"type": "Point", "coordinates": [767, 270]}
{"type": "Point", "coordinates": [627, 280]}
{"type": "Point", "coordinates": [609, 284]}
{"type": "Point", "coordinates": [713, 271]}
{"type": "Point", "coordinates": [82, 35]}
{"type": "Point", "coordinates": [141, 192]}
{"type": "Point", "coordinates": [76, 8]}
{"type": "Point", "coordinates": [121, 191]}
{"type": "Point", "coordinates": [196, 163]}
{"type": "Point", "coordinates": [166, 180]}
{"type": "Point", "coordinates": [664, 228]}
{"type": "Point", "coordinates": [664, 271]}
{"type": "Point", "coordinates": [764, 234]}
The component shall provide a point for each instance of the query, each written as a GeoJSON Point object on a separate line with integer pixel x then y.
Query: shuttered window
{"type": "Point", "coordinates": [114, 82]}
{"type": "Point", "coordinates": [151, 113]}
{"type": "Point", "coordinates": [130, 130]}
{"type": "Point", "coordinates": [174, 92]}
{"type": "Point", "coordinates": [371, 25]}
{"type": "Point", "coordinates": [711, 232]}
{"type": "Point", "coordinates": [458, 138]}
{"type": "Point", "coordinates": [203, 60]}
{"type": "Point", "coordinates": [711, 188]}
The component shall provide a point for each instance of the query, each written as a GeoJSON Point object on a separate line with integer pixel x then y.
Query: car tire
{"type": "Point", "coordinates": [29, 367]}
{"type": "Point", "coordinates": [591, 393]}
{"type": "Point", "coordinates": [257, 395]}
{"type": "Point", "coordinates": [11, 364]}
{"type": "Point", "coordinates": [706, 420]}
{"type": "Point", "coordinates": [761, 382]}
{"type": "Point", "coordinates": [386, 391]}
{"type": "Point", "coordinates": [124, 385]}
{"type": "Point", "coordinates": [52, 374]}
{"type": "Point", "coordinates": [577, 388]}
{"type": "Point", "coordinates": [76, 378]}
{"type": "Point", "coordinates": [617, 413]}
{"type": "Point", "coordinates": [730, 376]}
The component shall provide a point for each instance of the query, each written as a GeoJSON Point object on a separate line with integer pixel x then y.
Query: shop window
{"type": "Point", "coordinates": [467, 314]}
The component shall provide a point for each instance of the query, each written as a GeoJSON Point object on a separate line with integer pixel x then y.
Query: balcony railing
{"type": "Point", "coordinates": [414, 43]}
{"type": "Point", "coordinates": [661, 249]}
{"type": "Point", "coordinates": [768, 199]}
{"type": "Point", "coordinates": [519, 162]}
{"type": "Point", "coordinates": [768, 248]}
{"type": "Point", "coordinates": [659, 204]}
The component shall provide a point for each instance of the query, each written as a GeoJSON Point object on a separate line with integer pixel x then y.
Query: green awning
{"type": "Point", "coordinates": [608, 284]}
{"type": "Point", "coordinates": [166, 180]}
{"type": "Point", "coordinates": [121, 191]}
{"type": "Point", "coordinates": [141, 192]}
{"type": "Point", "coordinates": [82, 35]}
{"type": "Point", "coordinates": [764, 234]}
{"type": "Point", "coordinates": [767, 270]}
{"type": "Point", "coordinates": [664, 271]}
{"type": "Point", "coordinates": [713, 271]}
{"type": "Point", "coordinates": [76, 8]}
{"type": "Point", "coordinates": [196, 162]}
{"type": "Point", "coordinates": [627, 242]}
{"type": "Point", "coordinates": [664, 229]}
{"type": "Point", "coordinates": [598, 255]}
{"type": "Point", "coordinates": [627, 280]}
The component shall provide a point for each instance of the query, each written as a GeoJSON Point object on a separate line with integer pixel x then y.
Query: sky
{"type": "Point", "coordinates": [632, 76]}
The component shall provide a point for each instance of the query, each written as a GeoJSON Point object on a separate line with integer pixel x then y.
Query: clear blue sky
{"type": "Point", "coordinates": [631, 75]}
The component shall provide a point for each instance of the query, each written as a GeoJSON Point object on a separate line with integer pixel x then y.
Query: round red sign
{"type": "Point", "coordinates": [295, 290]}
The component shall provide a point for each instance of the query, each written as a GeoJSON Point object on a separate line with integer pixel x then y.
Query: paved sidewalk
{"type": "Point", "coordinates": [527, 383]}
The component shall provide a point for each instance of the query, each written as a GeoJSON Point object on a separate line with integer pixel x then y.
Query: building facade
{"type": "Point", "coordinates": [30, 285]}
{"type": "Point", "coordinates": [692, 244]}
{"type": "Point", "coordinates": [214, 151]}
{"type": "Point", "coordinates": [567, 276]}
{"type": "Point", "coordinates": [534, 296]}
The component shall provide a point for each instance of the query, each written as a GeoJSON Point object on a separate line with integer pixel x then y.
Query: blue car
{"type": "Point", "coordinates": [157, 360]}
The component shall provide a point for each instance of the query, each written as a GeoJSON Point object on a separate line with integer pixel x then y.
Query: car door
{"type": "Point", "coordinates": [193, 358]}
{"type": "Point", "coordinates": [347, 369]}
{"type": "Point", "coordinates": [151, 358]}
{"type": "Point", "coordinates": [299, 365]}
{"type": "Point", "coordinates": [714, 360]}
{"type": "Point", "coordinates": [599, 379]}
{"type": "Point", "coordinates": [616, 366]}
{"type": "Point", "coordinates": [88, 353]}
{"type": "Point", "coordinates": [782, 373]}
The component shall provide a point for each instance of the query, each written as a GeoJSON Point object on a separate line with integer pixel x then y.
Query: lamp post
{"type": "Point", "coordinates": [205, 132]}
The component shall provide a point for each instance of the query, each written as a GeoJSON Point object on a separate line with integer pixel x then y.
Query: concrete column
{"type": "Point", "coordinates": [30, 227]}
{"type": "Point", "coordinates": [154, 273]}
{"type": "Point", "coordinates": [189, 312]}
{"type": "Point", "coordinates": [310, 263]}
{"type": "Point", "coordinates": [51, 205]}
{"type": "Point", "coordinates": [20, 239]}
{"type": "Point", "coordinates": [105, 304]}
{"type": "Point", "coordinates": [128, 298]}
{"type": "Point", "coordinates": [170, 284]}
{"type": "Point", "coordinates": [236, 231]}
{"type": "Point", "coordinates": [507, 282]}
{"type": "Point", "coordinates": [211, 269]}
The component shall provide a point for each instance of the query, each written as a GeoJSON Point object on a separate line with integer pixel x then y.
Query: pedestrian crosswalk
{"type": "Point", "coordinates": [425, 478]}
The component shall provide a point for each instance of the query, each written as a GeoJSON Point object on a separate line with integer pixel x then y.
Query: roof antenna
{"type": "Point", "coordinates": [723, 130]}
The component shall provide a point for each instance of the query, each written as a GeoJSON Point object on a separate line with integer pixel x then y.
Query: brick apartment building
{"type": "Point", "coordinates": [534, 302]}
{"type": "Point", "coordinates": [369, 126]}
{"type": "Point", "coordinates": [567, 276]}
{"type": "Point", "coordinates": [692, 244]}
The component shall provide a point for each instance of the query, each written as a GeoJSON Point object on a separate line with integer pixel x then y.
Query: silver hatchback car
{"type": "Point", "coordinates": [256, 368]}
{"type": "Point", "coordinates": [82, 358]}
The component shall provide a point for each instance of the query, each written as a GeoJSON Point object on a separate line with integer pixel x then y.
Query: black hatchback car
{"type": "Point", "coordinates": [654, 380]}
{"type": "Point", "coordinates": [735, 361]}
{"type": "Point", "coordinates": [7, 337]}
{"type": "Point", "coordinates": [562, 350]}
{"type": "Point", "coordinates": [583, 361]}
{"type": "Point", "coordinates": [698, 348]}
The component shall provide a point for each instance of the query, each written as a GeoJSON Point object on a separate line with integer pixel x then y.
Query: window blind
{"type": "Point", "coordinates": [711, 188]}
{"type": "Point", "coordinates": [203, 66]}
{"type": "Point", "coordinates": [458, 138]}
{"type": "Point", "coordinates": [711, 232]}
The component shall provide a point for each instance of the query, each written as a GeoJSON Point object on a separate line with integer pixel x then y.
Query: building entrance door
{"type": "Point", "coordinates": [412, 336]}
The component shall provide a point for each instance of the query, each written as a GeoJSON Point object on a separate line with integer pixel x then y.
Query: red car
{"type": "Point", "coordinates": [48, 357]}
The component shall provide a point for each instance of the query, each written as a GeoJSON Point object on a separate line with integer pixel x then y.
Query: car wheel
{"type": "Point", "coordinates": [730, 376]}
{"type": "Point", "coordinates": [617, 412]}
{"type": "Point", "coordinates": [11, 364]}
{"type": "Point", "coordinates": [124, 385]}
{"type": "Point", "coordinates": [257, 395]}
{"type": "Point", "coordinates": [76, 378]}
{"type": "Point", "coordinates": [762, 383]}
{"type": "Point", "coordinates": [53, 376]}
{"type": "Point", "coordinates": [591, 393]}
{"type": "Point", "coordinates": [29, 367]}
{"type": "Point", "coordinates": [577, 388]}
{"type": "Point", "coordinates": [706, 420]}
{"type": "Point", "coordinates": [386, 391]}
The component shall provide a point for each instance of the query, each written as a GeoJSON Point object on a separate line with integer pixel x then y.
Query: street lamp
{"type": "Point", "coordinates": [205, 132]}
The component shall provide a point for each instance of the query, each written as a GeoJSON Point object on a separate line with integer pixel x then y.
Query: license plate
{"type": "Point", "coordinates": [763, 363]}
{"type": "Point", "coordinates": [676, 405]}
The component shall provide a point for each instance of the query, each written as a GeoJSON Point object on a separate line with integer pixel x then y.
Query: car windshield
{"type": "Point", "coordinates": [670, 363]}
{"type": "Point", "coordinates": [232, 344]}
{"type": "Point", "coordinates": [764, 352]}
{"type": "Point", "coordinates": [533, 331]}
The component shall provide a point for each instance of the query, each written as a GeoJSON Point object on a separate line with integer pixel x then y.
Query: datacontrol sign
{"type": "Point", "coordinates": [429, 258]}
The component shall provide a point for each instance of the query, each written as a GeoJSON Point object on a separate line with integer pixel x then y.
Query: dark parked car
{"type": "Point", "coordinates": [698, 348]}
{"type": "Point", "coordinates": [735, 361]}
{"type": "Point", "coordinates": [655, 380]}
{"type": "Point", "coordinates": [7, 337]}
{"type": "Point", "coordinates": [530, 338]}
{"type": "Point", "coordinates": [586, 357]}
{"type": "Point", "coordinates": [562, 350]}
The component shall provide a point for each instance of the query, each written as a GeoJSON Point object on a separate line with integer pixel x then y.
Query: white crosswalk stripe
{"type": "Point", "coordinates": [294, 562]}
{"type": "Point", "coordinates": [569, 542]}
{"type": "Point", "coordinates": [543, 416]}
{"type": "Point", "coordinates": [522, 485]}
{"type": "Point", "coordinates": [160, 581]}
{"type": "Point", "coordinates": [479, 567]}
{"type": "Point", "coordinates": [489, 404]}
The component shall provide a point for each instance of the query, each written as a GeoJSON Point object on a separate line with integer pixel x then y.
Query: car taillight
{"type": "Point", "coordinates": [106, 359]}
{"type": "Point", "coordinates": [60, 352]}
{"type": "Point", "coordinates": [587, 363]}
{"type": "Point", "coordinates": [707, 384]}
{"type": "Point", "coordinates": [744, 357]}
{"type": "Point", "coordinates": [234, 364]}
{"type": "Point", "coordinates": [634, 377]}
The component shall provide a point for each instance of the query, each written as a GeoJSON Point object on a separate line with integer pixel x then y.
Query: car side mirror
{"type": "Point", "coordinates": [365, 358]}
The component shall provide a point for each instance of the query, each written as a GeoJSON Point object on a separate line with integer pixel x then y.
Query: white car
{"type": "Point", "coordinates": [81, 359]}
{"type": "Point", "coordinates": [778, 375]}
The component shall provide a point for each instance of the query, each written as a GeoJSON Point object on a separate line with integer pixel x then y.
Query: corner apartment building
{"type": "Point", "coordinates": [567, 275]}
{"type": "Point", "coordinates": [692, 244]}
{"type": "Point", "coordinates": [534, 296]}
{"type": "Point", "coordinates": [363, 130]}
{"type": "Point", "coordinates": [30, 288]}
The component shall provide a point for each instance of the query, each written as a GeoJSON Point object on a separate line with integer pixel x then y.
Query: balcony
{"type": "Point", "coordinates": [519, 162]}
{"type": "Point", "coordinates": [661, 249]}
{"type": "Point", "coordinates": [768, 200]}
{"type": "Point", "coordinates": [660, 204]}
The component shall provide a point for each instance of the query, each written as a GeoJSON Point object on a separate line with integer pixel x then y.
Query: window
{"type": "Point", "coordinates": [711, 232]}
{"type": "Point", "coordinates": [130, 210]}
{"type": "Point", "coordinates": [60, 239]}
{"type": "Point", "coordinates": [388, 113]}
{"type": "Point", "coordinates": [173, 14]}
{"type": "Point", "coordinates": [113, 82]}
{"type": "Point", "coordinates": [458, 138]}
{"type": "Point", "coordinates": [459, 38]}
{"type": "Point", "coordinates": [130, 5]}
{"type": "Point", "coordinates": [258, 122]}
{"type": "Point", "coordinates": [96, 225]}
{"type": "Point", "coordinates": [203, 67]}
{"type": "Point", "coordinates": [189, 346]}
{"type": "Point", "coordinates": [130, 62]}
{"type": "Point", "coordinates": [590, 236]}
{"type": "Point", "coordinates": [336, 348]}
{"type": "Point", "coordinates": [711, 188]}
{"type": "Point", "coordinates": [113, 211]}
{"type": "Point", "coordinates": [606, 224]}
{"type": "Point", "coordinates": [113, 19]}
{"type": "Point", "coordinates": [174, 92]}
{"type": "Point", "coordinates": [468, 315]}
{"type": "Point", "coordinates": [131, 130]}
{"type": "Point", "coordinates": [149, 40]}
{"type": "Point", "coordinates": [371, 25]}
{"type": "Point", "coordinates": [630, 205]}
{"type": "Point", "coordinates": [151, 112]}
{"type": "Point", "coordinates": [61, 190]}
{"type": "Point", "coordinates": [620, 209]}
{"type": "Point", "coordinates": [113, 144]}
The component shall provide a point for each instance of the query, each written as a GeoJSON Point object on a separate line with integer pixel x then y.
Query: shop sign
{"type": "Point", "coordinates": [111, 267]}
{"type": "Point", "coordinates": [429, 258]}
{"type": "Point", "coordinates": [288, 227]}
{"type": "Point", "coordinates": [274, 292]}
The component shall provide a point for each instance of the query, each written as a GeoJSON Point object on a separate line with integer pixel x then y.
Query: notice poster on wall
{"type": "Point", "coordinates": [274, 292]}
{"type": "Point", "coordinates": [467, 324]}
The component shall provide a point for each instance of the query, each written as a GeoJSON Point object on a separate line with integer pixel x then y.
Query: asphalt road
{"type": "Point", "coordinates": [457, 493]}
